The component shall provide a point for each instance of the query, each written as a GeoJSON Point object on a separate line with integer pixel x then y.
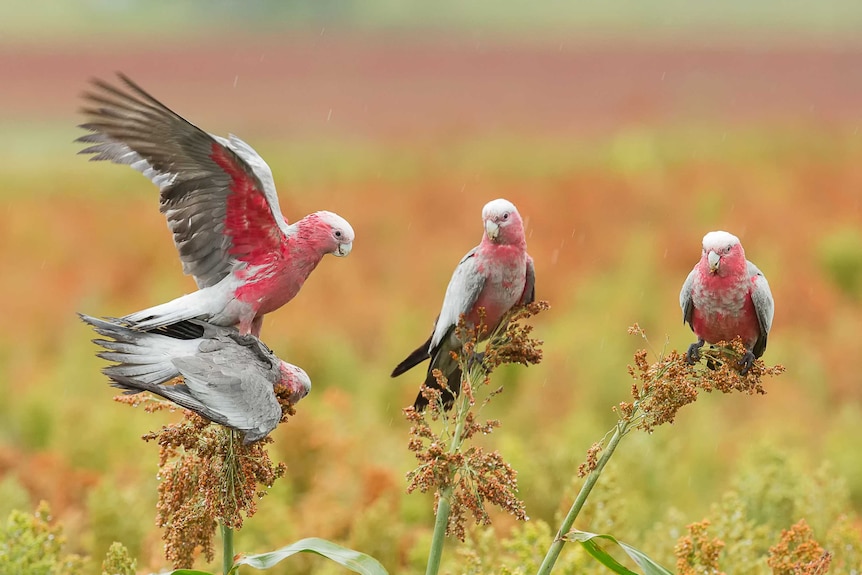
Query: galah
{"type": "Point", "coordinates": [726, 296]}
{"type": "Point", "coordinates": [219, 198]}
{"type": "Point", "coordinates": [228, 378]}
{"type": "Point", "coordinates": [497, 275]}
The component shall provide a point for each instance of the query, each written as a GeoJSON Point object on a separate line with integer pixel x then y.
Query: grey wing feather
{"type": "Point", "coordinates": [461, 294]}
{"type": "Point", "coordinates": [685, 301]}
{"type": "Point", "coordinates": [529, 295]}
{"type": "Point", "coordinates": [133, 128]}
{"type": "Point", "coordinates": [242, 396]}
{"type": "Point", "coordinates": [764, 305]}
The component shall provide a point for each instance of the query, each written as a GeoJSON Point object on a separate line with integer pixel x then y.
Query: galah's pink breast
{"type": "Point", "coordinates": [279, 279]}
{"type": "Point", "coordinates": [504, 284]}
{"type": "Point", "coordinates": [723, 310]}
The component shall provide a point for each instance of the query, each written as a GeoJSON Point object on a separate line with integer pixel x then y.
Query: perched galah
{"type": "Point", "coordinates": [725, 296]}
{"type": "Point", "coordinates": [228, 378]}
{"type": "Point", "coordinates": [221, 206]}
{"type": "Point", "coordinates": [497, 275]}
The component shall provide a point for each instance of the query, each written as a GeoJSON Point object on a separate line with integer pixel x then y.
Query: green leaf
{"type": "Point", "coordinates": [649, 566]}
{"type": "Point", "coordinates": [189, 572]}
{"type": "Point", "coordinates": [353, 560]}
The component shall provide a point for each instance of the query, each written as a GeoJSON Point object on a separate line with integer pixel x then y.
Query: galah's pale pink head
{"type": "Point", "coordinates": [296, 380]}
{"type": "Point", "coordinates": [722, 254]}
{"type": "Point", "coordinates": [503, 224]}
{"type": "Point", "coordinates": [329, 233]}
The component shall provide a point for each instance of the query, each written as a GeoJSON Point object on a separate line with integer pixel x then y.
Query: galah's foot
{"type": "Point", "coordinates": [693, 353]}
{"type": "Point", "coordinates": [746, 362]}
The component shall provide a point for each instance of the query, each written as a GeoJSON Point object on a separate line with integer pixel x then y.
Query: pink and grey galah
{"type": "Point", "coordinates": [219, 198]}
{"type": "Point", "coordinates": [228, 378]}
{"type": "Point", "coordinates": [726, 296]}
{"type": "Point", "coordinates": [497, 276]}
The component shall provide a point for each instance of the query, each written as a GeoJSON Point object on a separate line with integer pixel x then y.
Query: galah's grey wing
{"type": "Point", "coordinates": [218, 195]}
{"type": "Point", "coordinates": [241, 396]}
{"type": "Point", "coordinates": [529, 295]}
{"type": "Point", "coordinates": [461, 295]}
{"type": "Point", "coordinates": [764, 307]}
{"type": "Point", "coordinates": [685, 299]}
{"type": "Point", "coordinates": [258, 350]}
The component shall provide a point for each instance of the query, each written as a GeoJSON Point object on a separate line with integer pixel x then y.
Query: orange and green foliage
{"type": "Point", "coordinates": [614, 222]}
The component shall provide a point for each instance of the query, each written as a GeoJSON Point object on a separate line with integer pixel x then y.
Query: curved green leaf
{"type": "Point", "coordinates": [649, 566]}
{"type": "Point", "coordinates": [353, 560]}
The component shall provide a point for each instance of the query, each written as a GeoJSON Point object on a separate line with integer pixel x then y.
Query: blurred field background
{"type": "Point", "coordinates": [622, 133]}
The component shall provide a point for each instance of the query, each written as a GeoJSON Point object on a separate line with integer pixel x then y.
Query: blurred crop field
{"type": "Point", "coordinates": [622, 143]}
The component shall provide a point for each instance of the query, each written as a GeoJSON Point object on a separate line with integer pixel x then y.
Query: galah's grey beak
{"type": "Point", "coordinates": [492, 229]}
{"type": "Point", "coordinates": [343, 249]}
{"type": "Point", "coordinates": [714, 259]}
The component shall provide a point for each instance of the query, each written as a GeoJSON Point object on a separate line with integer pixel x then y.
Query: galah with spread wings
{"type": "Point", "coordinates": [228, 378]}
{"type": "Point", "coordinates": [496, 275]}
{"type": "Point", "coordinates": [726, 296]}
{"type": "Point", "coordinates": [219, 198]}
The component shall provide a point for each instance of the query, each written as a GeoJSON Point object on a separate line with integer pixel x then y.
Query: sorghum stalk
{"type": "Point", "coordinates": [445, 494]}
{"type": "Point", "coordinates": [592, 478]}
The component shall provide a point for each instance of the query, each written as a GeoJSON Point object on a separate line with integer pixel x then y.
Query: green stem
{"type": "Point", "coordinates": [436, 552]}
{"type": "Point", "coordinates": [592, 478]}
{"type": "Point", "coordinates": [227, 550]}
{"type": "Point", "coordinates": [444, 502]}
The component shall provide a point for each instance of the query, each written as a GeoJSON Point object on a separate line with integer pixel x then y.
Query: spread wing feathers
{"type": "Point", "coordinates": [240, 397]}
{"type": "Point", "coordinates": [685, 299]}
{"type": "Point", "coordinates": [529, 295]}
{"type": "Point", "coordinates": [764, 307]}
{"type": "Point", "coordinates": [217, 194]}
{"type": "Point", "coordinates": [461, 295]}
{"type": "Point", "coordinates": [140, 355]}
{"type": "Point", "coordinates": [228, 378]}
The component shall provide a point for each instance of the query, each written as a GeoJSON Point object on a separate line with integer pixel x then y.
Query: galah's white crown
{"type": "Point", "coordinates": [498, 207]}
{"type": "Point", "coordinates": [337, 223]}
{"type": "Point", "coordinates": [719, 240]}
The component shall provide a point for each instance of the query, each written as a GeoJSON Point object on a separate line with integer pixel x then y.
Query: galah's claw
{"type": "Point", "coordinates": [746, 362]}
{"type": "Point", "coordinates": [693, 354]}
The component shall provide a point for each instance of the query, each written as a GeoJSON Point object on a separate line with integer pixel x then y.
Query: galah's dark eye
{"type": "Point", "coordinates": [337, 233]}
{"type": "Point", "coordinates": [505, 216]}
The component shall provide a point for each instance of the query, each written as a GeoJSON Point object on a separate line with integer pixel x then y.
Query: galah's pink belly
{"type": "Point", "coordinates": [277, 280]}
{"type": "Point", "coordinates": [717, 326]}
{"type": "Point", "coordinates": [496, 301]}
{"type": "Point", "coordinates": [269, 293]}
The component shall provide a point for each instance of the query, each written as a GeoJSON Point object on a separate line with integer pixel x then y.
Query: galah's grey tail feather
{"type": "Point", "coordinates": [419, 355]}
{"type": "Point", "coordinates": [178, 394]}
